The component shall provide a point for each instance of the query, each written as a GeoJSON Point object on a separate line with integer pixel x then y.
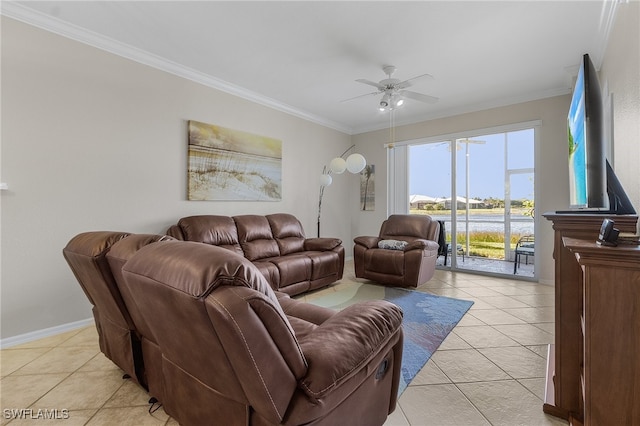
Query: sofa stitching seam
{"type": "Point", "coordinates": [264, 385]}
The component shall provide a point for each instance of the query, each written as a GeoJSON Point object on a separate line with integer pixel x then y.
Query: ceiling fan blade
{"type": "Point", "coordinates": [409, 82]}
{"type": "Point", "coordinates": [360, 96]}
{"type": "Point", "coordinates": [419, 97]}
{"type": "Point", "coordinates": [371, 83]}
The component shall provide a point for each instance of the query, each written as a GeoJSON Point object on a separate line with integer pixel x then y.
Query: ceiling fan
{"type": "Point", "coordinates": [394, 91]}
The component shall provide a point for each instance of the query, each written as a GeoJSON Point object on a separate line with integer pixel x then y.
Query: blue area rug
{"type": "Point", "coordinates": [427, 320]}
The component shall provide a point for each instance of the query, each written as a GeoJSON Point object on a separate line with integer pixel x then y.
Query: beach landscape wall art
{"type": "Point", "coordinates": [232, 165]}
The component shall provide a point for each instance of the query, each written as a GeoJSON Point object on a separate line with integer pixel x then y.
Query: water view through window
{"type": "Point", "coordinates": [482, 187]}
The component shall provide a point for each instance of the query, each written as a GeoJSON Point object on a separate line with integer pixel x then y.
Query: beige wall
{"type": "Point", "coordinates": [620, 73]}
{"type": "Point", "coordinates": [92, 141]}
{"type": "Point", "coordinates": [550, 162]}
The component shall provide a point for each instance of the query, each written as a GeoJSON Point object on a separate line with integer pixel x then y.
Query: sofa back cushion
{"type": "Point", "coordinates": [255, 237]}
{"type": "Point", "coordinates": [119, 254]}
{"type": "Point", "coordinates": [409, 227]}
{"type": "Point", "coordinates": [86, 255]}
{"type": "Point", "coordinates": [210, 229]}
{"type": "Point", "coordinates": [288, 232]}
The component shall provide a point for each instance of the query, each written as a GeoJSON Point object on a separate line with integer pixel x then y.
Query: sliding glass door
{"type": "Point", "coordinates": [481, 188]}
{"type": "Point", "coordinates": [430, 173]}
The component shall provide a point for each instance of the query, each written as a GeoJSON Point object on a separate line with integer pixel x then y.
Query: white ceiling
{"type": "Point", "coordinates": [304, 57]}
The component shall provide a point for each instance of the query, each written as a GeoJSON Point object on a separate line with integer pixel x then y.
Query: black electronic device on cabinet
{"type": "Point", "coordinates": [608, 234]}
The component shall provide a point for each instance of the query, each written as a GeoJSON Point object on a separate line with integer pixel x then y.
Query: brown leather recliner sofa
{"type": "Point", "coordinates": [403, 254]}
{"type": "Point", "coordinates": [217, 342]}
{"type": "Point", "coordinates": [232, 350]}
{"type": "Point", "coordinates": [275, 244]}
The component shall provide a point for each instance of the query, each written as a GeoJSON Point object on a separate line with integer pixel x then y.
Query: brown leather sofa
{"type": "Point", "coordinates": [403, 254]}
{"type": "Point", "coordinates": [217, 342]}
{"type": "Point", "coordinates": [275, 244]}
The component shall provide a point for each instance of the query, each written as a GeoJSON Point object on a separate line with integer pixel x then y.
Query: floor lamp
{"type": "Point", "coordinates": [354, 163]}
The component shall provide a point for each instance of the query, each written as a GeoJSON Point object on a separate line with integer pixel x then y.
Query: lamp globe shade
{"type": "Point", "coordinates": [325, 180]}
{"type": "Point", "coordinates": [338, 165]}
{"type": "Point", "coordinates": [356, 163]}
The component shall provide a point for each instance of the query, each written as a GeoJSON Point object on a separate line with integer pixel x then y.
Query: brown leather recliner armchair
{"type": "Point", "coordinates": [232, 350]}
{"type": "Point", "coordinates": [403, 254]}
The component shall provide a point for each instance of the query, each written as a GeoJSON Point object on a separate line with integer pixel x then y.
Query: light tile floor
{"type": "Point", "coordinates": [489, 371]}
{"type": "Point", "coordinates": [491, 266]}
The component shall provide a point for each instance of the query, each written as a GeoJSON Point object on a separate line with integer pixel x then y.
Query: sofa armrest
{"type": "Point", "coordinates": [345, 344]}
{"type": "Point", "coordinates": [321, 244]}
{"type": "Point", "coordinates": [367, 242]}
{"type": "Point", "coordinates": [422, 244]}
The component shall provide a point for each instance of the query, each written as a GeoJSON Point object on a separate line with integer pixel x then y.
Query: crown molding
{"type": "Point", "coordinates": [46, 22]}
{"type": "Point", "coordinates": [607, 20]}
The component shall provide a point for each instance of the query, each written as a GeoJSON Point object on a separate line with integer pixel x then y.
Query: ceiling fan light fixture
{"type": "Point", "coordinates": [385, 101]}
{"type": "Point", "coordinates": [390, 102]}
{"type": "Point", "coordinates": [394, 91]}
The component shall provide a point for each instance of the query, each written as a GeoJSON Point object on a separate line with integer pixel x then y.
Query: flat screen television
{"type": "Point", "coordinates": [593, 185]}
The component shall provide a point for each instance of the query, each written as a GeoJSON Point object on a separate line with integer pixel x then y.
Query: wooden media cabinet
{"type": "Point", "coordinates": [593, 373]}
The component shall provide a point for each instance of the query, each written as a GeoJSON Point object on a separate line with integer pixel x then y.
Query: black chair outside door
{"type": "Point", "coordinates": [524, 247]}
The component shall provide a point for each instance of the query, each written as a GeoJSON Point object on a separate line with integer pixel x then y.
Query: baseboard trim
{"type": "Point", "coordinates": [46, 332]}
